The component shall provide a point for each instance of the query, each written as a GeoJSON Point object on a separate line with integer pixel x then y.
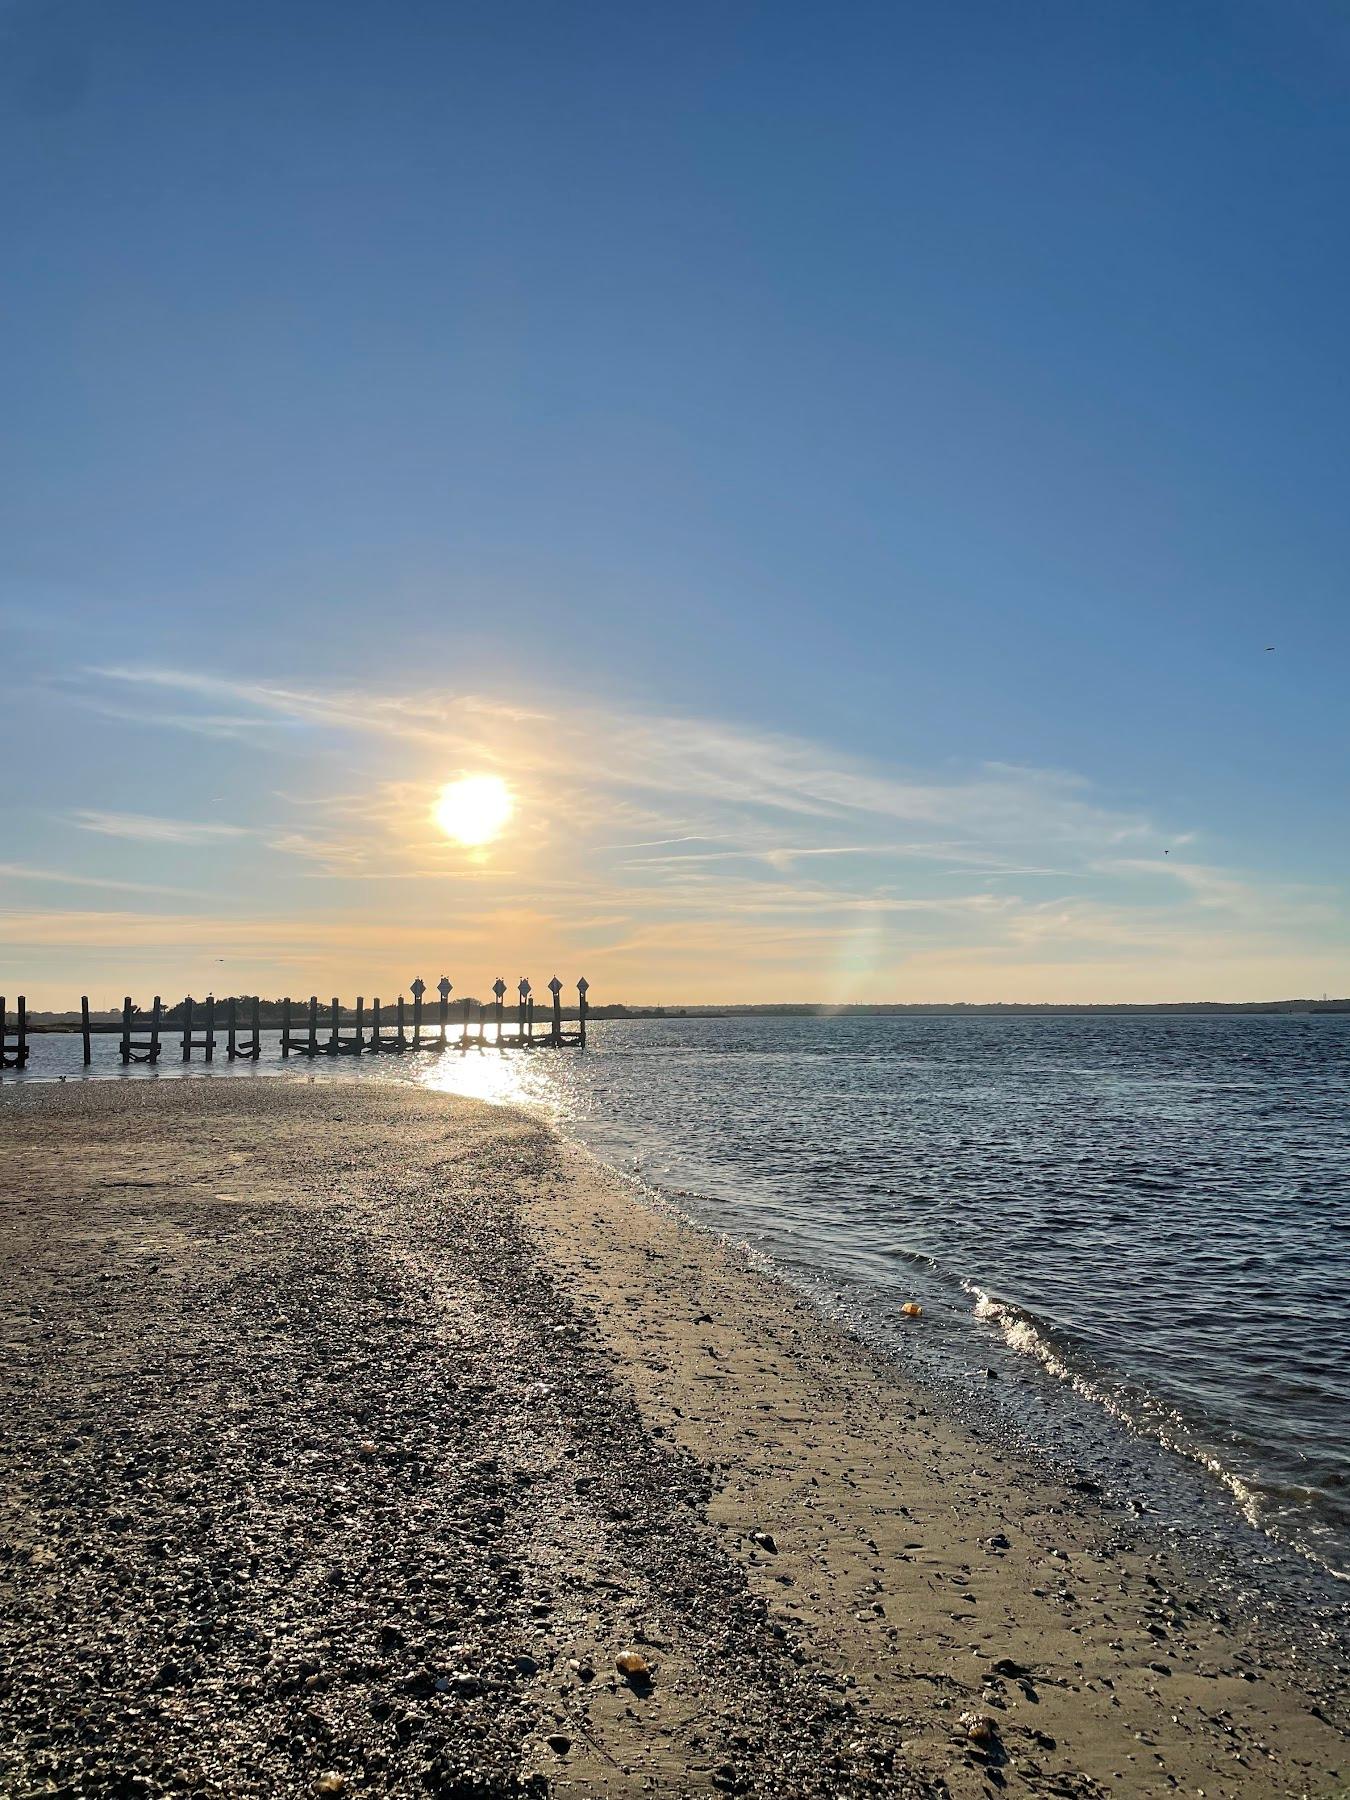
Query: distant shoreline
{"type": "Point", "coordinates": [270, 1012]}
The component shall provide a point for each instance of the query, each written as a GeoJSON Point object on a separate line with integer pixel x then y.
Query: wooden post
{"type": "Point", "coordinates": [464, 1034]}
{"type": "Point", "coordinates": [256, 1051]}
{"type": "Point", "coordinates": [286, 1026]}
{"type": "Point", "coordinates": [84, 1030]}
{"type": "Point", "coordinates": [231, 1027]}
{"type": "Point", "coordinates": [334, 1041]}
{"type": "Point", "coordinates": [155, 1012]}
{"type": "Point", "coordinates": [482, 1024]}
{"type": "Point", "coordinates": [499, 989]}
{"type": "Point", "coordinates": [529, 1021]}
{"type": "Point", "coordinates": [375, 1023]}
{"type": "Point", "coordinates": [419, 987]}
{"type": "Point", "coordinates": [360, 1023]}
{"type": "Point", "coordinates": [582, 986]}
{"type": "Point", "coordinates": [443, 989]}
{"type": "Point", "coordinates": [187, 1028]}
{"type": "Point", "coordinates": [210, 1027]}
{"type": "Point", "coordinates": [555, 988]}
{"type": "Point", "coordinates": [523, 995]}
{"type": "Point", "coordinates": [17, 1057]}
{"type": "Point", "coordinates": [126, 1029]}
{"type": "Point", "coordinates": [402, 1034]}
{"type": "Point", "coordinates": [314, 1024]}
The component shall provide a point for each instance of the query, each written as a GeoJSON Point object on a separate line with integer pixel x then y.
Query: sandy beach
{"type": "Point", "coordinates": [359, 1440]}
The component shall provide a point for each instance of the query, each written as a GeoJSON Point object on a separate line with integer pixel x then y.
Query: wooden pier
{"type": "Point", "coordinates": [301, 1033]}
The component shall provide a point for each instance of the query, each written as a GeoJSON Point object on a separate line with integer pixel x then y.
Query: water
{"type": "Point", "coordinates": [1140, 1224]}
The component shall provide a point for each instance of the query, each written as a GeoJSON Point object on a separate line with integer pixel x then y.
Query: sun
{"type": "Point", "coordinates": [475, 809]}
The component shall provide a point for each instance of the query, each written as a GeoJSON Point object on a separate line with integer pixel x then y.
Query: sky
{"type": "Point", "coordinates": [869, 480]}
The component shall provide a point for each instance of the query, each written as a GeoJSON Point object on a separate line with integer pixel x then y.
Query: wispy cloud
{"type": "Point", "coordinates": [741, 858]}
{"type": "Point", "coordinates": [146, 829]}
{"type": "Point", "coordinates": [25, 872]}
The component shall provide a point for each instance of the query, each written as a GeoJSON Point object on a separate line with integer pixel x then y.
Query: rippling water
{"type": "Point", "coordinates": [1140, 1224]}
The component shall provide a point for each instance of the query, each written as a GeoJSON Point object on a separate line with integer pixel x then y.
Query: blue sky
{"type": "Point", "coordinates": [842, 467]}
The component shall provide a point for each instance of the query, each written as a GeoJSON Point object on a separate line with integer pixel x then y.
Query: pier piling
{"type": "Point", "coordinates": [144, 1050]}
{"type": "Point", "coordinates": [14, 1056]}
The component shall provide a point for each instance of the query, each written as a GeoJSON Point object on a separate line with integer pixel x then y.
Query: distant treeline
{"type": "Point", "coordinates": [269, 1013]}
{"type": "Point", "coordinates": [962, 1009]}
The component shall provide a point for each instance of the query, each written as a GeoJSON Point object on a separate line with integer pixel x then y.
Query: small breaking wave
{"type": "Point", "coordinates": [1142, 1415]}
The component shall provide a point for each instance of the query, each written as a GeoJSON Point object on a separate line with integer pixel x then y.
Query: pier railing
{"type": "Point", "coordinates": [307, 1029]}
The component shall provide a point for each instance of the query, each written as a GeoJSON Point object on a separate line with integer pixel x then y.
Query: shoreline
{"type": "Point", "coordinates": [1210, 1452]}
{"type": "Point", "coordinates": [650, 1402]}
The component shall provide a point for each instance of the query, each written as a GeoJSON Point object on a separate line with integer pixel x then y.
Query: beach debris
{"type": "Point", "coordinates": [331, 1783]}
{"type": "Point", "coordinates": [765, 1540]}
{"type": "Point", "coordinates": [559, 1743]}
{"type": "Point", "coordinates": [366, 1450]}
{"type": "Point", "coordinates": [912, 1310]}
{"type": "Point", "coordinates": [632, 1666]}
{"type": "Point", "coordinates": [977, 1727]}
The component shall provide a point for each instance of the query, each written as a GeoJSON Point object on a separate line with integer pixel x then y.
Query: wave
{"type": "Point", "coordinates": [1145, 1417]}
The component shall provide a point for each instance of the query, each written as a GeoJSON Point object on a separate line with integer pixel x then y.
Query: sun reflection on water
{"type": "Point", "coordinates": [513, 1078]}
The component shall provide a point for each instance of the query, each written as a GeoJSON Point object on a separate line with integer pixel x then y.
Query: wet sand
{"type": "Point", "coordinates": [350, 1435]}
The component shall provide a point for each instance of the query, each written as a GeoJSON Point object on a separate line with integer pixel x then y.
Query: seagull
{"type": "Point", "coordinates": [1270, 646]}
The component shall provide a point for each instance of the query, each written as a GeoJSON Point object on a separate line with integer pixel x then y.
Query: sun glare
{"type": "Point", "coordinates": [474, 809]}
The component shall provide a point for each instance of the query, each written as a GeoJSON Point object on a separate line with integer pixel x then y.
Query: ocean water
{"type": "Point", "coordinates": [1130, 1236]}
